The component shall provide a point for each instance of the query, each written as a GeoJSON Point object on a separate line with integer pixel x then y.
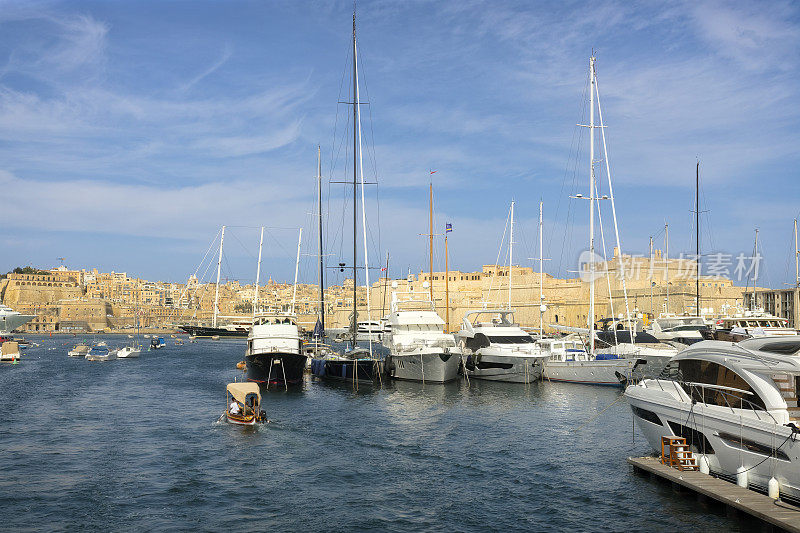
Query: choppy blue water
{"type": "Point", "coordinates": [135, 444]}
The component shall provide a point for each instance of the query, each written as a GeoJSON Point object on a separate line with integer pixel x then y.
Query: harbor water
{"type": "Point", "coordinates": [137, 444]}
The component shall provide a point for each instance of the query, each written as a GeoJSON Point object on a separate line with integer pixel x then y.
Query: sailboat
{"type": "Point", "coordinates": [358, 364]}
{"type": "Point", "coordinates": [590, 366]}
{"type": "Point", "coordinates": [236, 327]}
{"type": "Point", "coordinates": [495, 347]}
{"type": "Point", "coordinates": [134, 349]}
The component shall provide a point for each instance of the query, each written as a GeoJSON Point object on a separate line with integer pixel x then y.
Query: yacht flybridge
{"type": "Point", "coordinates": [498, 349]}
{"type": "Point", "coordinates": [420, 348]}
{"type": "Point", "coordinates": [736, 404]}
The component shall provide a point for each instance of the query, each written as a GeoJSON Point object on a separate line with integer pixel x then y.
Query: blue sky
{"type": "Point", "coordinates": [130, 131]}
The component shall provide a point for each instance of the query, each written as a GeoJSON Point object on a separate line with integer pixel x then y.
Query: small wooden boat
{"type": "Point", "coordinates": [9, 352]}
{"type": "Point", "coordinates": [247, 399]}
{"type": "Point", "coordinates": [79, 351]}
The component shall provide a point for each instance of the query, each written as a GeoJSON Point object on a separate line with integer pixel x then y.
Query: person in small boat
{"type": "Point", "coordinates": [248, 405]}
{"type": "Point", "coordinates": [234, 408]}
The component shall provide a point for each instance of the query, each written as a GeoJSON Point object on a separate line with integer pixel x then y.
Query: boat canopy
{"type": "Point", "coordinates": [10, 347]}
{"type": "Point", "coordinates": [240, 391]}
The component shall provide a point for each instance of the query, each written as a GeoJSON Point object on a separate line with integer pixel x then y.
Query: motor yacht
{"type": "Point", "coordinates": [748, 324]}
{"type": "Point", "coordinates": [736, 404]}
{"type": "Point", "coordinates": [273, 352]}
{"type": "Point", "coordinates": [101, 353]}
{"type": "Point", "coordinates": [420, 350]}
{"type": "Point", "coordinates": [495, 348]}
{"type": "Point", "coordinates": [679, 331]}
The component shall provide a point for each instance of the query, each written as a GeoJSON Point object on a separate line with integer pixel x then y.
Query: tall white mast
{"type": "Point", "coordinates": [296, 268]}
{"type": "Point", "coordinates": [321, 268]}
{"type": "Point", "coordinates": [510, 254]}
{"type": "Point", "coordinates": [258, 272]}
{"type": "Point", "coordinates": [541, 275]}
{"type": "Point", "coordinates": [219, 269]}
{"type": "Point", "coordinates": [614, 215]}
{"type": "Point", "coordinates": [796, 258]}
{"type": "Point", "coordinates": [666, 265]}
{"type": "Point", "coordinates": [590, 318]}
{"type": "Point", "coordinates": [361, 175]}
{"type": "Point", "coordinates": [755, 272]}
{"type": "Point", "coordinates": [651, 276]}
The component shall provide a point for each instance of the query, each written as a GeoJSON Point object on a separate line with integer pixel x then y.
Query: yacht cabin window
{"type": "Point", "coordinates": [696, 371]}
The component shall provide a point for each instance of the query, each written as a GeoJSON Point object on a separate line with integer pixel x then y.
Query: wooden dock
{"type": "Point", "coordinates": [777, 513]}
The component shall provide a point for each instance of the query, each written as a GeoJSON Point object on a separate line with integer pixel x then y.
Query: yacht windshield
{"type": "Point", "coordinates": [509, 339]}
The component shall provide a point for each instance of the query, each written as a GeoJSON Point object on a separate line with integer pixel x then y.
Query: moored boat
{"type": "Point", "coordinates": [101, 353]}
{"type": "Point", "coordinates": [9, 352]}
{"type": "Point", "coordinates": [420, 350]}
{"type": "Point", "coordinates": [736, 404]}
{"type": "Point", "coordinates": [273, 353]}
{"type": "Point", "coordinates": [79, 350]}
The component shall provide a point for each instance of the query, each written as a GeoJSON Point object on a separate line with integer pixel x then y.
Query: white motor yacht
{"type": "Point", "coordinates": [749, 324]}
{"type": "Point", "coordinates": [679, 331]}
{"type": "Point", "coordinates": [497, 349]}
{"type": "Point", "coordinates": [100, 352]}
{"type": "Point", "coordinates": [273, 352]}
{"type": "Point", "coordinates": [736, 404]}
{"type": "Point", "coordinates": [420, 350]}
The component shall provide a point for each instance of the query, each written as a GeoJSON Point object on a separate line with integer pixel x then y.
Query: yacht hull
{"type": "Point", "coordinates": [363, 371]}
{"type": "Point", "coordinates": [428, 367]}
{"type": "Point", "coordinates": [509, 368]}
{"type": "Point", "coordinates": [728, 443]}
{"type": "Point", "coordinates": [613, 372]}
{"type": "Point", "coordinates": [276, 367]}
{"type": "Point", "coordinates": [208, 331]}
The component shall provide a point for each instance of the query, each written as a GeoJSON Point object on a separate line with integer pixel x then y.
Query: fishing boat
{"type": "Point", "coordinates": [244, 404]}
{"type": "Point", "coordinates": [419, 348]}
{"type": "Point", "coordinates": [156, 343]}
{"type": "Point", "coordinates": [358, 364]}
{"type": "Point", "coordinates": [736, 405]}
{"type": "Point", "coordinates": [101, 353]}
{"type": "Point", "coordinates": [79, 350]}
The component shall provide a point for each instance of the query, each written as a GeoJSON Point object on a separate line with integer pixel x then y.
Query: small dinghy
{"type": "Point", "coordinates": [244, 404]}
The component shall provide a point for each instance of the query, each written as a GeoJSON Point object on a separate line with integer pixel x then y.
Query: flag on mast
{"type": "Point", "coordinates": [448, 227]}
